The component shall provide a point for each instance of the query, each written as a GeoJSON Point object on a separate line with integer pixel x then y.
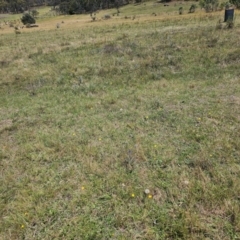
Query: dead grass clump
{"type": "Point", "coordinates": [5, 124]}
{"type": "Point", "coordinates": [212, 42]}
{"type": "Point", "coordinates": [17, 32]}
{"type": "Point", "coordinates": [106, 17]}
{"type": "Point", "coordinates": [123, 36]}
{"type": "Point", "coordinates": [4, 63]}
{"type": "Point", "coordinates": [233, 57]}
{"type": "Point", "coordinates": [111, 48]}
{"type": "Point", "coordinates": [219, 24]}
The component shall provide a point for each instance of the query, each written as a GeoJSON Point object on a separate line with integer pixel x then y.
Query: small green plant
{"type": "Point", "coordinates": [27, 19]}
{"type": "Point", "coordinates": [93, 16]}
{"type": "Point", "coordinates": [180, 10]}
{"type": "Point", "coordinates": [34, 13]}
{"type": "Point", "coordinates": [192, 8]}
{"type": "Point", "coordinates": [229, 24]}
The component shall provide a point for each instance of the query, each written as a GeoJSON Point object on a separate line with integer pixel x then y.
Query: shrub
{"type": "Point", "coordinates": [192, 8]}
{"type": "Point", "coordinates": [35, 13]}
{"type": "Point", "coordinates": [209, 5]}
{"type": "Point", "coordinates": [27, 19]}
{"type": "Point", "coordinates": [180, 10]}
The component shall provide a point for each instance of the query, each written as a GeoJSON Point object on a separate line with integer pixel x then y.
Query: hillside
{"type": "Point", "coordinates": [126, 128]}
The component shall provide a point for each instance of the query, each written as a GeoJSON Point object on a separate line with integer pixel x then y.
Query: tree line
{"type": "Point", "coordinates": [62, 6]}
{"type": "Point", "coordinates": [82, 6]}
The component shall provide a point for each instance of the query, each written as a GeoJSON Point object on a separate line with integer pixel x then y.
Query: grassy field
{"type": "Point", "coordinates": [121, 128]}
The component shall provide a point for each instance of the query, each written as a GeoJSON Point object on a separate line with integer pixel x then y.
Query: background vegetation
{"type": "Point", "coordinates": [126, 128]}
{"type": "Point", "coordinates": [79, 6]}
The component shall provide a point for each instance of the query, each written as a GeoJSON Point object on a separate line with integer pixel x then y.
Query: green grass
{"type": "Point", "coordinates": [90, 116]}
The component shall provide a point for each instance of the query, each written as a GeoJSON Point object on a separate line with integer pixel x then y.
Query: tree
{"type": "Point", "coordinates": [209, 5]}
{"type": "Point", "coordinates": [236, 3]}
{"type": "Point", "coordinates": [65, 6]}
{"type": "Point", "coordinates": [27, 18]}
